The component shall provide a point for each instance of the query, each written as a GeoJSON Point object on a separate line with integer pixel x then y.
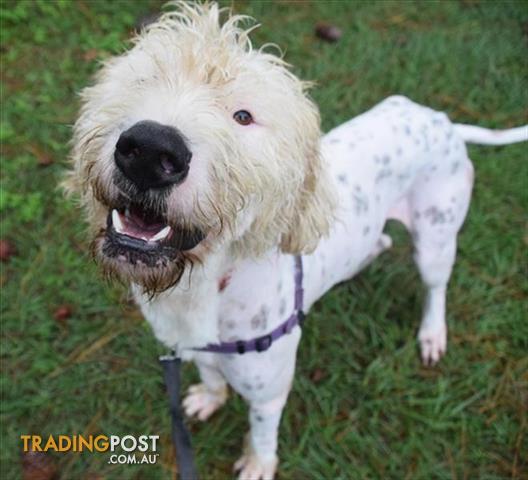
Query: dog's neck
{"type": "Point", "coordinates": [186, 316]}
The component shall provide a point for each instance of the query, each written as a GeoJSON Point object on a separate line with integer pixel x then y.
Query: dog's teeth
{"type": "Point", "coordinates": [161, 234]}
{"type": "Point", "coordinates": [116, 220]}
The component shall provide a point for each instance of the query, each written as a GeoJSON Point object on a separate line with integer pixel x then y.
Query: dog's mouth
{"type": "Point", "coordinates": [135, 233]}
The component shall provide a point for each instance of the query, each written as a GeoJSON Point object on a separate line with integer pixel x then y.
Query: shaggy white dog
{"type": "Point", "coordinates": [200, 164]}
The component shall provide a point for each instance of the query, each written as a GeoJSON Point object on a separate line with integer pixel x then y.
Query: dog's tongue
{"type": "Point", "coordinates": [134, 223]}
{"type": "Point", "coordinates": [136, 218]}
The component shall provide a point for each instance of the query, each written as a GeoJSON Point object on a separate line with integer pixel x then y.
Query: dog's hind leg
{"type": "Point", "coordinates": [438, 205]}
{"type": "Point", "coordinates": [433, 212]}
{"type": "Point", "coordinates": [203, 399]}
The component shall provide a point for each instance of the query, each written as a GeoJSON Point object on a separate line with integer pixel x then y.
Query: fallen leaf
{"type": "Point", "coordinates": [317, 375]}
{"type": "Point", "coordinates": [62, 313]}
{"type": "Point", "coordinates": [327, 32]}
{"type": "Point", "coordinates": [43, 158]}
{"type": "Point", "coordinates": [7, 250]}
{"type": "Point", "coordinates": [38, 466]}
{"type": "Point", "coordinates": [90, 55]}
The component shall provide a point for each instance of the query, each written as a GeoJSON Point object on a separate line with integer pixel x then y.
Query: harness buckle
{"type": "Point", "coordinates": [302, 317]}
{"type": "Point", "coordinates": [263, 343]}
{"type": "Point", "coordinates": [241, 346]}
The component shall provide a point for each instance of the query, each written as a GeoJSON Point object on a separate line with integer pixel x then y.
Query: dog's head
{"type": "Point", "coordinates": [193, 141]}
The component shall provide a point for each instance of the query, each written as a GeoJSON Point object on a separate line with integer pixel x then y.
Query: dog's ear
{"type": "Point", "coordinates": [312, 211]}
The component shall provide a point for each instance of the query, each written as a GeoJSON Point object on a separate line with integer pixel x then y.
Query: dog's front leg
{"type": "Point", "coordinates": [264, 380]}
{"type": "Point", "coordinates": [259, 459]}
{"type": "Point", "coordinates": [205, 398]}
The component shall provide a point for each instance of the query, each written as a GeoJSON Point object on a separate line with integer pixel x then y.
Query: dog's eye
{"type": "Point", "coordinates": [243, 117]}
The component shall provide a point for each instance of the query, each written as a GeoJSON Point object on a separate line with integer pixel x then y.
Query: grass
{"type": "Point", "coordinates": [362, 406]}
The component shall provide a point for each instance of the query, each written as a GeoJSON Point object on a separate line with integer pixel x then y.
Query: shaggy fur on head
{"type": "Point", "coordinates": [250, 188]}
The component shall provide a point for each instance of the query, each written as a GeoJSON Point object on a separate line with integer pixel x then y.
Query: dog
{"type": "Point", "coordinates": [209, 189]}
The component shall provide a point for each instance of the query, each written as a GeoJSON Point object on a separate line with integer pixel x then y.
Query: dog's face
{"type": "Point", "coordinates": [193, 141]}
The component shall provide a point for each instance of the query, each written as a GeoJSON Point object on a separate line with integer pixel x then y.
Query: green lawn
{"type": "Point", "coordinates": [362, 406]}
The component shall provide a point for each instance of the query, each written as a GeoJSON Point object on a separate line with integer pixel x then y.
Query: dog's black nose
{"type": "Point", "coordinates": [152, 155]}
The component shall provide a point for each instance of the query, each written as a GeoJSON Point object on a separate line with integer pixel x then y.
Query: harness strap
{"type": "Point", "coordinates": [261, 344]}
{"type": "Point", "coordinates": [181, 438]}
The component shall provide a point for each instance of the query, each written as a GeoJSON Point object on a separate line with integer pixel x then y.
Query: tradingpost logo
{"type": "Point", "coordinates": [125, 450]}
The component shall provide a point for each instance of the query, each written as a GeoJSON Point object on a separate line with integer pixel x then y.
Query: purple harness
{"type": "Point", "coordinates": [261, 344]}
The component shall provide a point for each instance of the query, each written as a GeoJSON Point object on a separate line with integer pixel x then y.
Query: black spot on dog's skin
{"type": "Point", "coordinates": [402, 177]}
{"type": "Point", "coordinates": [383, 173]}
{"type": "Point", "coordinates": [361, 203]}
{"type": "Point", "coordinates": [438, 216]}
{"type": "Point", "coordinates": [259, 418]}
{"type": "Point", "coordinates": [366, 230]}
{"type": "Point", "coordinates": [230, 324]}
{"type": "Point", "coordinates": [335, 140]}
{"type": "Point", "coordinates": [342, 178]}
{"type": "Point", "coordinates": [260, 319]}
{"type": "Point", "coordinates": [247, 387]}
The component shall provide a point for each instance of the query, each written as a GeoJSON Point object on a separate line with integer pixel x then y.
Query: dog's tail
{"type": "Point", "coordinates": [486, 136]}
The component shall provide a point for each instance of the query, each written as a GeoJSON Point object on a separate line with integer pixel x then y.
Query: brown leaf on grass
{"type": "Point", "coordinates": [43, 158]}
{"type": "Point", "coordinates": [90, 55]}
{"type": "Point", "coordinates": [38, 466]}
{"type": "Point", "coordinates": [317, 375]}
{"type": "Point", "coordinates": [328, 32]}
{"type": "Point", "coordinates": [62, 313]}
{"type": "Point", "coordinates": [7, 250]}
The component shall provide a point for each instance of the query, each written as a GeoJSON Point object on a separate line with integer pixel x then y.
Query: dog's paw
{"type": "Point", "coordinates": [202, 402]}
{"type": "Point", "coordinates": [252, 467]}
{"type": "Point", "coordinates": [384, 242]}
{"type": "Point", "coordinates": [433, 344]}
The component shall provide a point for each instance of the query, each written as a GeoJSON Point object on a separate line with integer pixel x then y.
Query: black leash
{"type": "Point", "coordinates": [181, 438]}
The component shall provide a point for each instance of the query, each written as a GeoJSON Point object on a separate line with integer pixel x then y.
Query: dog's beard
{"type": "Point", "coordinates": [134, 267]}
